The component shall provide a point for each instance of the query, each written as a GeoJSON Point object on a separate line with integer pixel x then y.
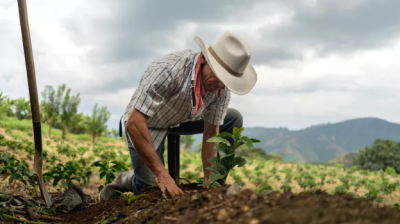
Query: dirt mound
{"type": "Point", "coordinates": [215, 206]}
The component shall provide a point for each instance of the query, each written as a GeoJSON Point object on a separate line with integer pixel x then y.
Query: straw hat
{"type": "Point", "coordinates": [229, 58]}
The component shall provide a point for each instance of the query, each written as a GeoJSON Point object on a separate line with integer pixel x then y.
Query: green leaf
{"type": "Point", "coordinates": [223, 155]}
{"type": "Point", "coordinates": [237, 144]}
{"type": "Point", "coordinates": [131, 198]}
{"type": "Point", "coordinates": [227, 162]}
{"type": "Point", "coordinates": [219, 139]}
{"type": "Point", "coordinates": [101, 188]}
{"type": "Point", "coordinates": [55, 181]}
{"type": "Point", "coordinates": [98, 163]}
{"type": "Point", "coordinates": [119, 166]}
{"type": "Point", "coordinates": [134, 197]}
{"type": "Point", "coordinates": [122, 194]}
{"type": "Point", "coordinates": [254, 140]}
{"type": "Point", "coordinates": [237, 132]}
{"type": "Point", "coordinates": [247, 142]}
{"type": "Point", "coordinates": [217, 168]}
{"type": "Point", "coordinates": [213, 160]}
{"type": "Point", "coordinates": [239, 161]}
{"type": "Point", "coordinates": [212, 168]}
{"type": "Point", "coordinates": [224, 135]}
{"type": "Point", "coordinates": [102, 174]}
{"type": "Point", "coordinates": [215, 177]}
{"type": "Point", "coordinates": [222, 148]}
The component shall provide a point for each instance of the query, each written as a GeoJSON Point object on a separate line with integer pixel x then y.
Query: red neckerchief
{"type": "Point", "coordinates": [199, 90]}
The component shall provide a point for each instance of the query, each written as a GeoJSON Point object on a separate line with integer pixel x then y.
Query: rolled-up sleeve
{"type": "Point", "coordinates": [216, 111]}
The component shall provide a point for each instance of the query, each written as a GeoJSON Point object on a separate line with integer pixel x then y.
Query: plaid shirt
{"type": "Point", "coordinates": [165, 93]}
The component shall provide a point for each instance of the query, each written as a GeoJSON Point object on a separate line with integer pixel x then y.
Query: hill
{"type": "Point", "coordinates": [321, 143]}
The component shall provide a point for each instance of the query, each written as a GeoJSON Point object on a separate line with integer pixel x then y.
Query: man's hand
{"type": "Point", "coordinates": [166, 183]}
{"type": "Point", "coordinates": [137, 127]}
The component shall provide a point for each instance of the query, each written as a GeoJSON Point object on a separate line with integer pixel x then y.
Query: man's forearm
{"type": "Point", "coordinates": [144, 147]}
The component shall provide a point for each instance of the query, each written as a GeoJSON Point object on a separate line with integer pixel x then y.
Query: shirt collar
{"type": "Point", "coordinates": [196, 57]}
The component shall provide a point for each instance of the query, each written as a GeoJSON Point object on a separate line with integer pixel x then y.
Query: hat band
{"type": "Point", "coordinates": [222, 63]}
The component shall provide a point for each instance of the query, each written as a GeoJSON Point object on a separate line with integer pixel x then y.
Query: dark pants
{"type": "Point", "coordinates": [144, 178]}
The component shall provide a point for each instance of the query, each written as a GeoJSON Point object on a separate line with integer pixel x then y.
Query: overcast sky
{"type": "Point", "coordinates": [317, 61]}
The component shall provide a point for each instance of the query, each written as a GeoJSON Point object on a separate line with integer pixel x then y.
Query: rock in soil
{"type": "Point", "coordinates": [72, 199]}
{"type": "Point", "coordinates": [213, 205]}
{"type": "Point", "coordinates": [233, 189]}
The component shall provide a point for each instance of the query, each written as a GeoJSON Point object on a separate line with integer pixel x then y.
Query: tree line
{"type": "Point", "coordinates": [59, 109]}
{"type": "Point", "coordinates": [382, 155]}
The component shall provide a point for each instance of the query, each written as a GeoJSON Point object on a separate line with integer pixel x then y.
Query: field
{"type": "Point", "coordinates": [328, 193]}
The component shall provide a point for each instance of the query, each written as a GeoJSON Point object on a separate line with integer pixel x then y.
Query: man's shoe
{"type": "Point", "coordinates": [123, 183]}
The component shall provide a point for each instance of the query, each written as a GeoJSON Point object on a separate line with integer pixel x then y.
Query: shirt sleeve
{"type": "Point", "coordinates": [216, 111]}
{"type": "Point", "coordinates": [154, 89]}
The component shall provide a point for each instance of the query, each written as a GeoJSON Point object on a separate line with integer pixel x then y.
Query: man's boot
{"type": "Point", "coordinates": [123, 183]}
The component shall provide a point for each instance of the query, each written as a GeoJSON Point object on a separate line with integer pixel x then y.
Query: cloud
{"type": "Point", "coordinates": [137, 29]}
{"type": "Point", "coordinates": [334, 27]}
{"type": "Point", "coordinates": [318, 61]}
{"type": "Point", "coordinates": [6, 3]}
{"type": "Point", "coordinates": [321, 90]}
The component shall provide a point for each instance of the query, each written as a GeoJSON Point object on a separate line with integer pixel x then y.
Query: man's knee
{"type": "Point", "coordinates": [142, 179]}
{"type": "Point", "coordinates": [235, 117]}
{"type": "Point", "coordinates": [232, 119]}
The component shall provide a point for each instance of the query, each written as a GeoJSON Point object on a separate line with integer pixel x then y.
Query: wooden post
{"type": "Point", "coordinates": [30, 69]}
{"type": "Point", "coordinates": [173, 156]}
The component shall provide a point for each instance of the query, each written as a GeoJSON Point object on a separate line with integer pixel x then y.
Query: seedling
{"type": "Point", "coordinates": [108, 171]}
{"type": "Point", "coordinates": [16, 170]}
{"type": "Point", "coordinates": [66, 173]}
{"type": "Point", "coordinates": [131, 197]}
{"type": "Point", "coordinates": [225, 160]}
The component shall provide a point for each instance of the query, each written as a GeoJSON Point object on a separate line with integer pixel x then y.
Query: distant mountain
{"type": "Point", "coordinates": [321, 143]}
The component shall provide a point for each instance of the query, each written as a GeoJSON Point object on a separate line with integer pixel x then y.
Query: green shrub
{"type": "Point", "coordinates": [382, 154]}
{"type": "Point", "coordinates": [390, 170]}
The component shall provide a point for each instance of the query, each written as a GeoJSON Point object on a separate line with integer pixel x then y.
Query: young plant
{"type": "Point", "coordinates": [225, 160]}
{"type": "Point", "coordinates": [67, 173]}
{"type": "Point", "coordinates": [16, 170]}
{"type": "Point", "coordinates": [305, 180]}
{"type": "Point", "coordinates": [131, 197]}
{"type": "Point", "coordinates": [286, 187]}
{"type": "Point", "coordinates": [109, 172]}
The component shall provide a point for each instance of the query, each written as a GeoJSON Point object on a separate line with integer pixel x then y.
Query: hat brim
{"type": "Point", "coordinates": [238, 85]}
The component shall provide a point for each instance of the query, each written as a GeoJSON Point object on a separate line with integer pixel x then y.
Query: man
{"type": "Point", "coordinates": [183, 92]}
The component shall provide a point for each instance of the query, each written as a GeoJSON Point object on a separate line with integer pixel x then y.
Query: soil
{"type": "Point", "coordinates": [213, 205]}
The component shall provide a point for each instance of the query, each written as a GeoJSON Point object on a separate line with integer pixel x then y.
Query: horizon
{"type": "Point", "coordinates": [326, 123]}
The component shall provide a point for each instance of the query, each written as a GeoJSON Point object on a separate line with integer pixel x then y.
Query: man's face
{"type": "Point", "coordinates": [210, 80]}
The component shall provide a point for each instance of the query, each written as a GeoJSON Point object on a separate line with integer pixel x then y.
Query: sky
{"type": "Point", "coordinates": [317, 61]}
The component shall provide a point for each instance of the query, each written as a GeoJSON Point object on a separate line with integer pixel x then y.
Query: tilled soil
{"type": "Point", "coordinates": [96, 212]}
{"type": "Point", "coordinates": [213, 205]}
